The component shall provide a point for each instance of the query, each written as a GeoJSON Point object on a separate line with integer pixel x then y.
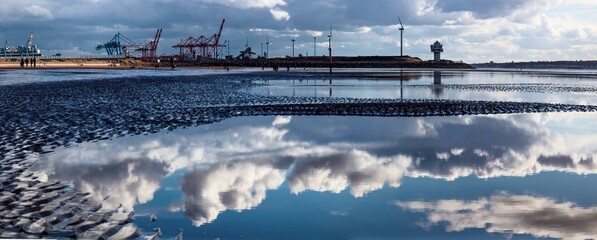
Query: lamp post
{"type": "Point", "coordinates": [314, 46]}
{"type": "Point", "coordinates": [293, 47]}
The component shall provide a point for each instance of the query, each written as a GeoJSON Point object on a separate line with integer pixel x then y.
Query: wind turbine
{"type": "Point", "coordinates": [267, 47]}
{"type": "Point", "coordinates": [401, 32]}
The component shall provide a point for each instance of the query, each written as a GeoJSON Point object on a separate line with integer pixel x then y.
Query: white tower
{"type": "Point", "coordinates": [436, 49]}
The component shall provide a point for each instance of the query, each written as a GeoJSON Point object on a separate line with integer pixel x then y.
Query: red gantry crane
{"type": "Point", "coordinates": [148, 51]}
{"type": "Point", "coordinates": [204, 47]}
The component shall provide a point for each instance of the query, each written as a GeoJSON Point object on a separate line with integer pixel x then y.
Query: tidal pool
{"type": "Point", "coordinates": [334, 177]}
{"type": "Point", "coordinates": [569, 87]}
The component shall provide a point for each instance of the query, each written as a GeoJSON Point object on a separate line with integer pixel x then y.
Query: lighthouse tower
{"type": "Point", "coordinates": [437, 48]}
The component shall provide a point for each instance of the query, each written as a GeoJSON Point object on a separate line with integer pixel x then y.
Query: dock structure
{"type": "Point", "coordinates": [27, 50]}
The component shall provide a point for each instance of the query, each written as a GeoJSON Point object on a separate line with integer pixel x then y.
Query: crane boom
{"type": "Point", "coordinates": [30, 41]}
{"type": "Point", "coordinates": [217, 38]}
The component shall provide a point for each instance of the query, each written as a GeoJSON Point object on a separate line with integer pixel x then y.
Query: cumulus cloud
{"type": "Point", "coordinates": [237, 186]}
{"type": "Point", "coordinates": [235, 165]}
{"type": "Point", "coordinates": [507, 214]}
{"type": "Point", "coordinates": [358, 170]}
{"type": "Point", "coordinates": [281, 120]}
{"type": "Point", "coordinates": [279, 14]}
{"type": "Point", "coordinates": [127, 182]}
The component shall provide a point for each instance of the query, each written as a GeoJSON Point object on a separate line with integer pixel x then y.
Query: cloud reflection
{"type": "Point", "coordinates": [231, 166]}
{"type": "Point", "coordinates": [358, 170]}
{"type": "Point", "coordinates": [511, 214]}
{"type": "Point", "coordinates": [236, 186]}
{"type": "Point", "coordinates": [125, 182]}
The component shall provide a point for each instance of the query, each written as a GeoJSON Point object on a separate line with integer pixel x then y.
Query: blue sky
{"type": "Point", "coordinates": [472, 31]}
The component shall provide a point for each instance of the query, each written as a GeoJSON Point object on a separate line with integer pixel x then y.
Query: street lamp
{"type": "Point", "coordinates": [293, 47]}
{"type": "Point", "coordinates": [314, 46]}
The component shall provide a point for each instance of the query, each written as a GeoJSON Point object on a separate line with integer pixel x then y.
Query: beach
{"type": "Point", "coordinates": [62, 113]}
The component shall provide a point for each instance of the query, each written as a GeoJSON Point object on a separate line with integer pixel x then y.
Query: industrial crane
{"type": "Point", "coordinates": [115, 47]}
{"type": "Point", "coordinates": [207, 47]}
{"type": "Point", "coordinates": [148, 51]}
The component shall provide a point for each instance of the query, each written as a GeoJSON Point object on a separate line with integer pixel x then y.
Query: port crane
{"type": "Point", "coordinates": [204, 47]}
{"type": "Point", "coordinates": [116, 47]}
{"type": "Point", "coordinates": [148, 51]}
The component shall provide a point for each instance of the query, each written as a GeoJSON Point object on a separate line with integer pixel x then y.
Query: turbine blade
{"type": "Point", "coordinates": [400, 22]}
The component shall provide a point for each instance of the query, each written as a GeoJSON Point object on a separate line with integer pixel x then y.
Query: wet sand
{"type": "Point", "coordinates": [39, 117]}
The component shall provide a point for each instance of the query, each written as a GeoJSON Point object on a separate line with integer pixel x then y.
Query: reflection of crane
{"type": "Point", "coordinates": [149, 50]}
{"type": "Point", "coordinates": [207, 46]}
{"type": "Point", "coordinates": [401, 32]}
{"type": "Point", "coordinates": [115, 47]}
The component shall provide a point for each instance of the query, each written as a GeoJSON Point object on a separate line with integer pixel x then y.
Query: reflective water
{"type": "Point", "coordinates": [24, 76]}
{"type": "Point", "coordinates": [480, 177]}
{"type": "Point", "coordinates": [554, 87]}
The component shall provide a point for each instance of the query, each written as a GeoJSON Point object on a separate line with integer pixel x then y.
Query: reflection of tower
{"type": "Point", "coordinates": [437, 77]}
{"type": "Point", "coordinates": [437, 48]}
{"type": "Point", "coordinates": [437, 89]}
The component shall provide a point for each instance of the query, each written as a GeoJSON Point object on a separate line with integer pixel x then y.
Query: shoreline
{"type": "Point", "coordinates": [338, 71]}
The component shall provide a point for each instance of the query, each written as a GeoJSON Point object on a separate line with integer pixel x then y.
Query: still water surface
{"type": "Point", "coordinates": [300, 177]}
{"type": "Point", "coordinates": [568, 87]}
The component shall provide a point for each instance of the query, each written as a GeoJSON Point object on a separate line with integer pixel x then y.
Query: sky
{"type": "Point", "coordinates": [473, 31]}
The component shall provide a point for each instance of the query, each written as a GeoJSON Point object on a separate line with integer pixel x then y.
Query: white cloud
{"type": "Point", "coordinates": [507, 214]}
{"type": "Point", "coordinates": [280, 14]}
{"type": "Point", "coordinates": [39, 12]}
{"type": "Point", "coordinates": [358, 170]}
{"type": "Point", "coordinates": [237, 186]}
{"type": "Point", "coordinates": [443, 156]}
{"type": "Point", "coordinates": [457, 151]}
{"type": "Point", "coordinates": [281, 120]}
